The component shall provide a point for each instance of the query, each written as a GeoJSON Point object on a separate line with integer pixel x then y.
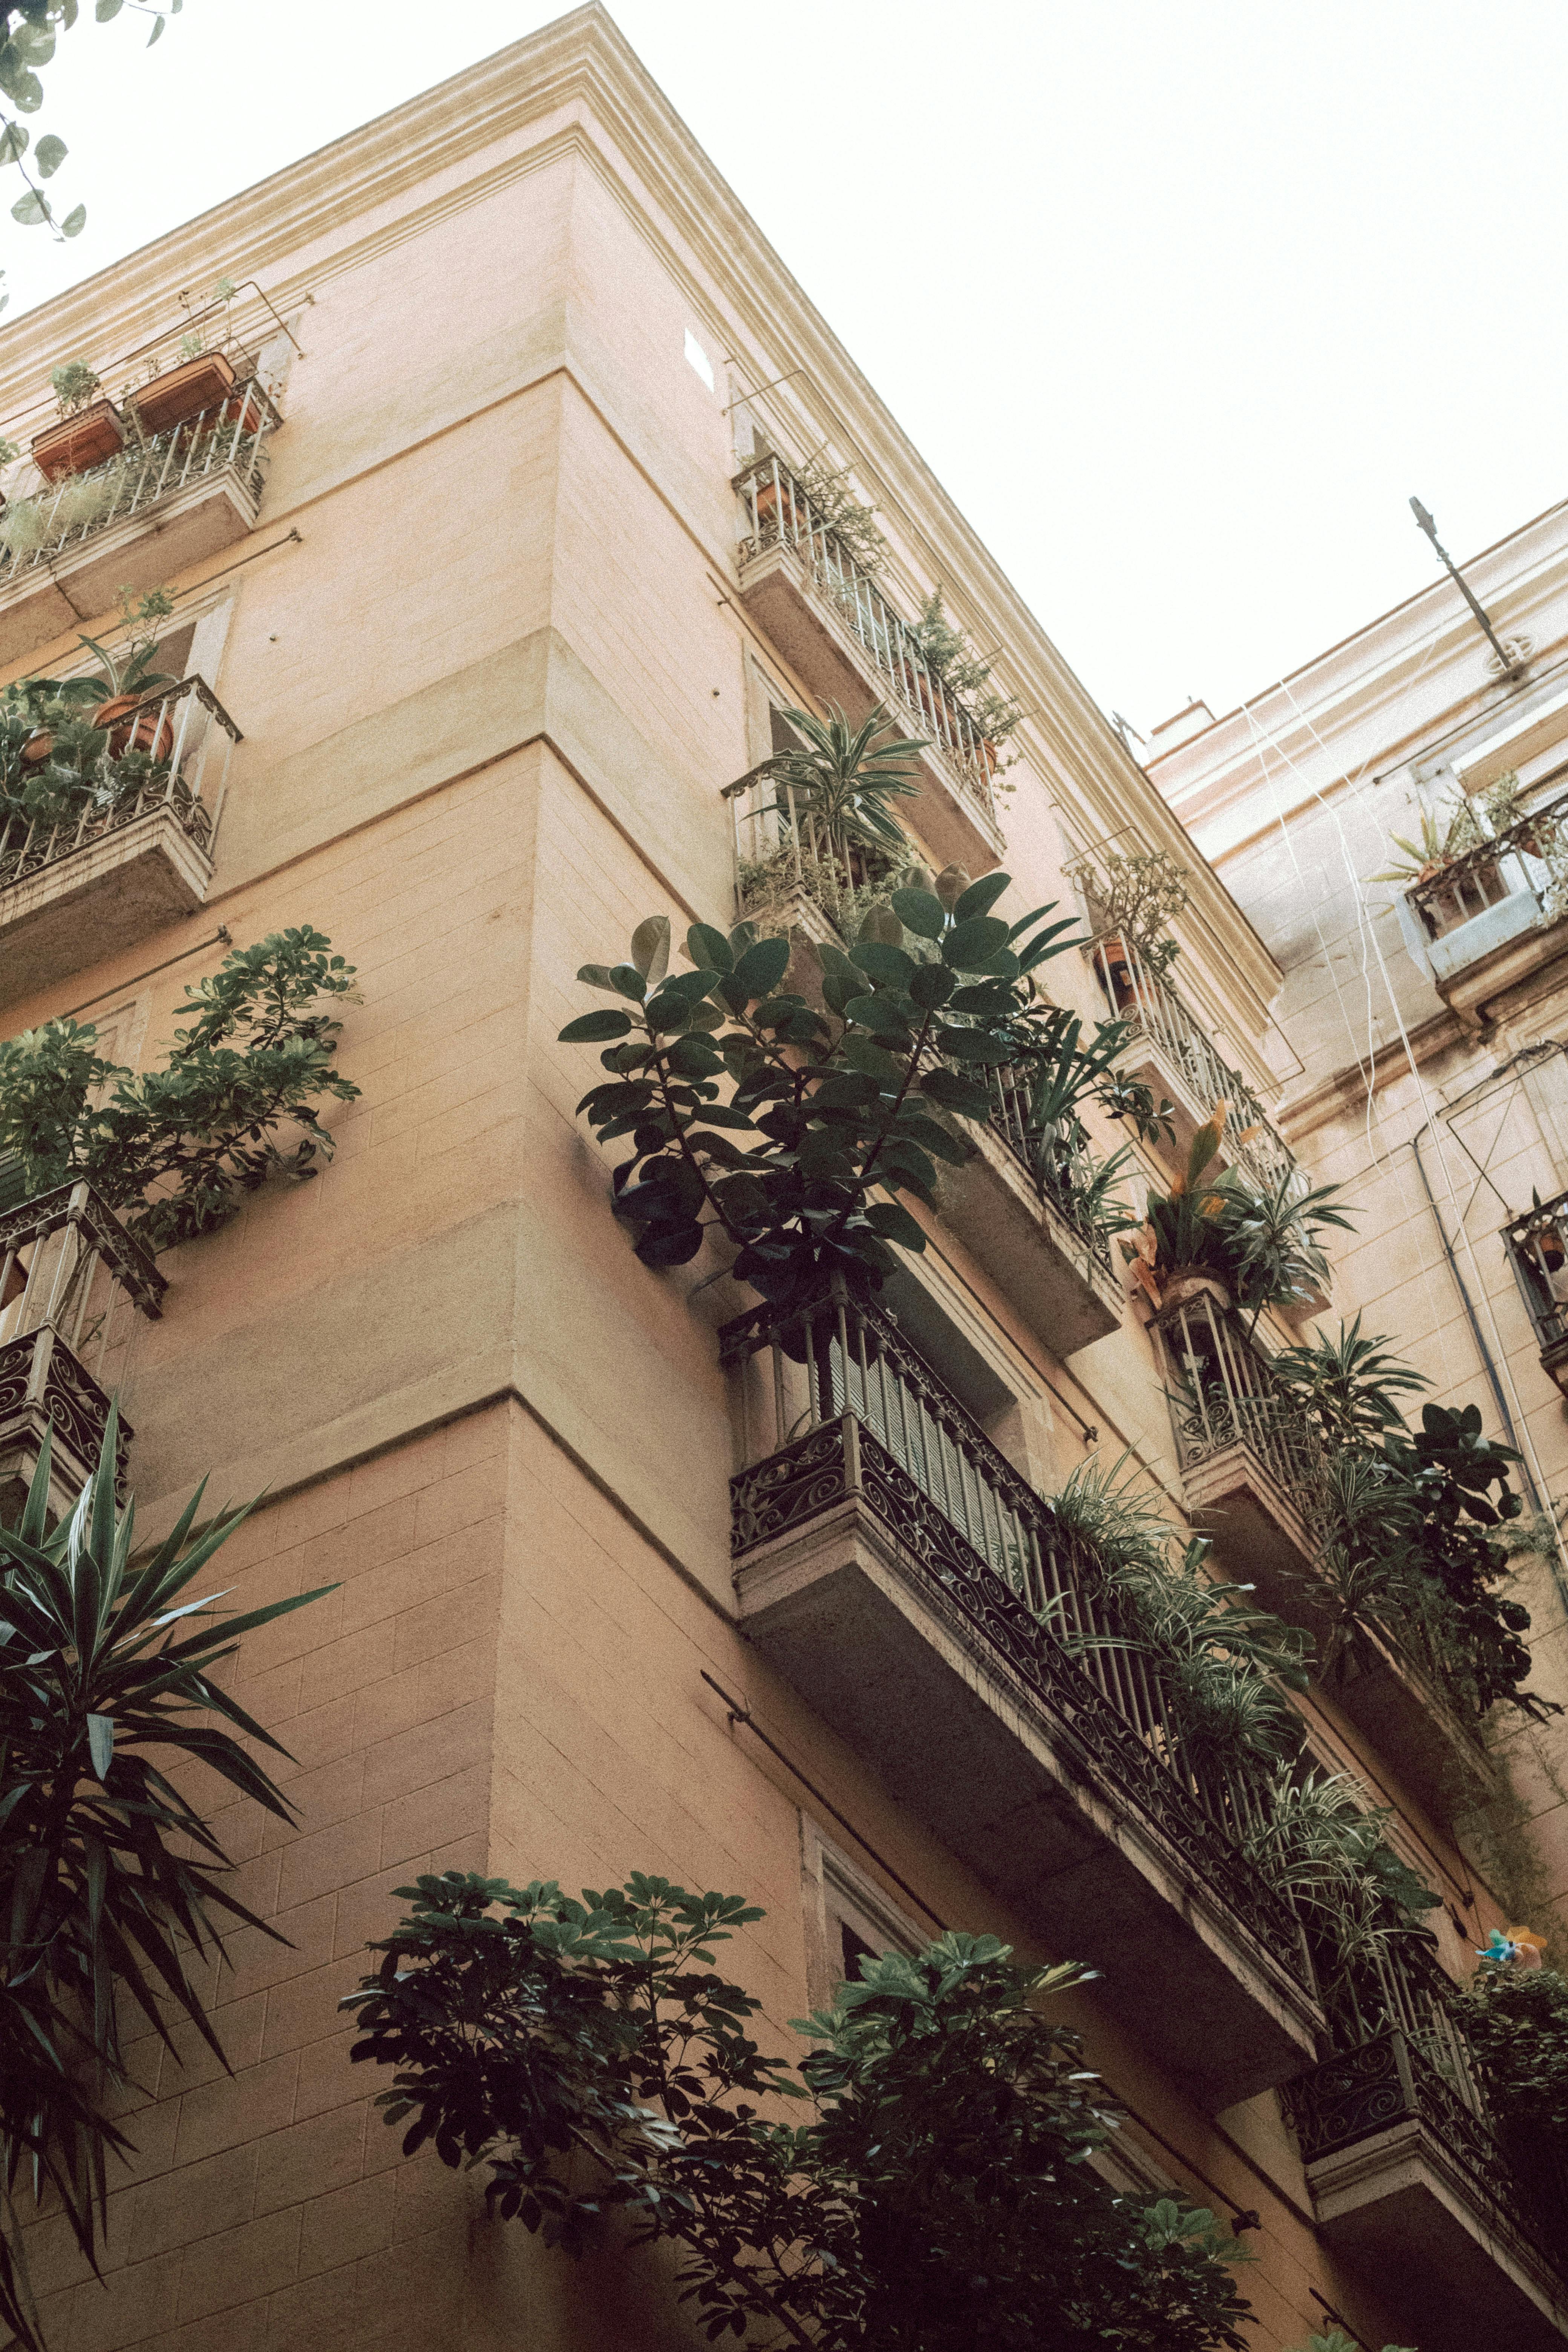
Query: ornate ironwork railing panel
{"type": "Point", "coordinates": [1399, 2076]}
{"type": "Point", "coordinates": [70, 1276]}
{"type": "Point", "coordinates": [170, 751]}
{"type": "Point", "coordinates": [229, 437]}
{"type": "Point", "coordinates": [1143, 997]}
{"type": "Point", "coordinates": [780, 513]}
{"type": "Point", "coordinates": [847, 1407]}
{"type": "Point", "coordinates": [1501, 868]}
{"type": "Point", "coordinates": [1537, 1245]}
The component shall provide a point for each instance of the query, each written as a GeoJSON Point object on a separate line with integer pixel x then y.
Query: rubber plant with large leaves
{"type": "Point", "coordinates": [758, 1119]}
{"type": "Point", "coordinates": [111, 1882]}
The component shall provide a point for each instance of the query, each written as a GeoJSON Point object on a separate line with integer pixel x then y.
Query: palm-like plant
{"type": "Point", "coordinates": [1349, 1386]}
{"type": "Point", "coordinates": [109, 1878]}
{"type": "Point", "coordinates": [837, 781]}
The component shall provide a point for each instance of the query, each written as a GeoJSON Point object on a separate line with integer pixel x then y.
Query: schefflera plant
{"type": "Point", "coordinates": [754, 1116]}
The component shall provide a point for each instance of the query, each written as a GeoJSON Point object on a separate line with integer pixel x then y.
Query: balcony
{"type": "Point", "coordinates": [899, 1572]}
{"type": "Point", "coordinates": [1016, 1208]}
{"type": "Point", "coordinates": [1171, 1053]}
{"type": "Point", "coordinates": [1537, 1245]}
{"type": "Point", "coordinates": [158, 504]}
{"type": "Point", "coordinates": [1253, 1484]}
{"type": "Point", "coordinates": [1412, 2183]}
{"type": "Point", "coordinates": [1490, 918]}
{"type": "Point", "coordinates": [134, 849]}
{"type": "Point", "coordinates": [842, 638]}
{"type": "Point", "coordinates": [72, 1282]}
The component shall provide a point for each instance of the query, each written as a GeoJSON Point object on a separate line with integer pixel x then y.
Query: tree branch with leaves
{"type": "Point", "coordinates": [28, 32]}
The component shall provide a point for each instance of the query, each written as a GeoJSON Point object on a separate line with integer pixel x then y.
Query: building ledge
{"type": "Point", "coordinates": [1049, 1271]}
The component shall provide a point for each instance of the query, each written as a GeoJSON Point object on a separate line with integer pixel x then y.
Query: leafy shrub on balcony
{"type": "Point", "coordinates": [176, 1149]}
{"type": "Point", "coordinates": [59, 756]}
{"type": "Point", "coordinates": [1515, 2019]}
{"type": "Point", "coordinates": [110, 1883]}
{"type": "Point", "coordinates": [1258, 1243]}
{"type": "Point", "coordinates": [756, 1118]}
{"type": "Point", "coordinates": [1408, 1522]}
{"type": "Point", "coordinates": [933, 2198]}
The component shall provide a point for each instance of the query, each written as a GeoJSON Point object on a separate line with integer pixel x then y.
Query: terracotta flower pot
{"type": "Point", "coordinates": [153, 732]}
{"type": "Point", "coordinates": [1185, 1284]}
{"type": "Point", "coordinates": [185, 392]}
{"type": "Point", "coordinates": [36, 748]}
{"type": "Point", "coordinates": [78, 442]}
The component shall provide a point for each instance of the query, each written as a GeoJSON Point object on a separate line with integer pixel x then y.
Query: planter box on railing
{"type": "Point", "coordinates": [73, 1280]}
{"type": "Point", "coordinates": [198, 479]}
{"type": "Point", "coordinates": [850, 645]}
{"type": "Point", "coordinates": [133, 853]}
{"type": "Point", "coordinates": [903, 1577]}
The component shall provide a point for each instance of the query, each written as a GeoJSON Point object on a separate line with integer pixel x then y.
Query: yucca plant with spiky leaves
{"type": "Point", "coordinates": [109, 1878]}
{"type": "Point", "coordinates": [841, 779]}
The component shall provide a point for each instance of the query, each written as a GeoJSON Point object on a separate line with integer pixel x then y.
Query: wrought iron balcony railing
{"type": "Point", "coordinates": [72, 1281]}
{"type": "Point", "coordinates": [170, 752]}
{"type": "Point", "coordinates": [1509, 863]}
{"type": "Point", "coordinates": [1223, 1394]}
{"type": "Point", "coordinates": [1061, 1177]}
{"type": "Point", "coordinates": [1143, 997]}
{"type": "Point", "coordinates": [231, 437]}
{"type": "Point", "coordinates": [1403, 2058]}
{"type": "Point", "coordinates": [846, 1406]}
{"type": "Point", "coordinates": [1537, 1245]}
{"type": "Point", "coordinates": [780, 512]}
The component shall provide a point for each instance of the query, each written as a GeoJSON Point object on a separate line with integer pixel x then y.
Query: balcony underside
{"type": "Point", "coordinates": [51, 596]}
{"type": "Point", "coordinates": [1496, 951]}
{"type": "Point", "coordinates": [1260, 1538]}
{"type": "Point", "coordinates": [1043, 1269]}
{"type": "Point", "coordinates": [1424, 2206]}
{"type": "Point", "coordinates": [924, 1662]}
{"type": "Point", "coordinates": [98, 900]}
{"type": "Point", "coordinates": [777, 592]}
{"type": "Point", "coordinates": [44, 1387]}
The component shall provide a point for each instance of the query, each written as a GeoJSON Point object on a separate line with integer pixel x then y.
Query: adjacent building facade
{"type": "Point", "coordinates": [504, 567]}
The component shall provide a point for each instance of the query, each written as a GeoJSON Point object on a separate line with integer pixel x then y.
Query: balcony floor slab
{"type": "Point", "coordinates": [1045, 1269]}
{"type": "Point", "coordinates": [98, 900]}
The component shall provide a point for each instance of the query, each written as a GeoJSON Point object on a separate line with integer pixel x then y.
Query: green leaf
{"type": "Point", "coordinates": [882, 961]}
{"type": "Point", "coordinates": [14, 140]}
{"type": "Point", "coordinates": [30, 209]}
{"type": "Point", "coordinates": [650, 948]}
{"type": "Point", "coordinates": [34, 43]}
{"type": "Point", "coordinates": [708, 949]}
{"type": "Point", "coordinates": [878, 1014]}
{"type": "Point", "coordinates": [22, 88]}
{"type": "Point", "coordinates": [101, 1743]}
{"type": "Point", "coordinates": [594, 1028]}
{"type": "Point", "coordinates": [971, 943]}
{"type": "Point", "coordinates": [74, 222]}
{"type": "Point", "coordinates": [919, 912]}
{"type": "Point", "coordinates": [981, 897]}
{"type": "Point", "coordinates": [104, 9]}
{"type": "Point", "coordinates": [762, 968]}
{"type": "Point", "coordinates": [931, 985]}
{"type": "Point", "coordinates": [597, 975]}
{"type": "Point", "coordinates": [975, 1046]}
{"type": "Point", "coordinates": [627, 981]}
{"type": "Point", "coordinates": [156, 32]}
{"type": "Point", "coordinates": [48, 155]}
{"type": "Point", "coordinates": [955, 1092]}
{"type": "Point", "coordinates": [894, 1223]}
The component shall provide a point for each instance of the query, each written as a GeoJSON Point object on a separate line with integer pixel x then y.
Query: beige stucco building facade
{"type": "Point", "coordinates": [493, 630]}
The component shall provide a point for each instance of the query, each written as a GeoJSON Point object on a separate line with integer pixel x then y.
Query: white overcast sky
{"type": "Point", "coordinates": [1181, 298]}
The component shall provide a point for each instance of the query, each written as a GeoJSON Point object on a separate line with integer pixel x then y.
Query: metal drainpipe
{"type": "Point", "coordinates": [1488, 1363]}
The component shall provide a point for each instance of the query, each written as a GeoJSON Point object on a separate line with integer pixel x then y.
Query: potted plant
{"type": "Point", "coordinates": [89, 429]}
{"type": "Point", "coordinates": [131, 679]}
{"type": "Point", "coordinates": [202, 379]}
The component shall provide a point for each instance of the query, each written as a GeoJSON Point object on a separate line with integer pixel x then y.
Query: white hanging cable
{"type": "Point", "coordinates": [1431, 1111]}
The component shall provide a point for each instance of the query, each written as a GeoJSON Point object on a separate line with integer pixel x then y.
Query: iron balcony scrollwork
{"type": "Point", "coordinates": [881, 1429]}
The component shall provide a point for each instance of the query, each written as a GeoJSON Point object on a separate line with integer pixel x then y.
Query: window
{"type": "Point", "coordinates": [697, 358]}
